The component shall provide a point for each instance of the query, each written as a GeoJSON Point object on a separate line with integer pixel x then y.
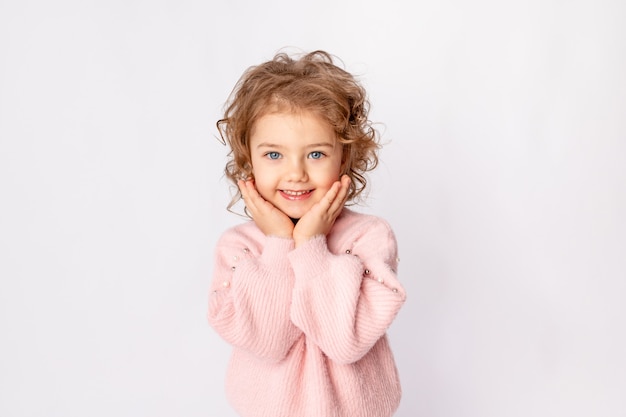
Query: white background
{"type": "Point", "coordinates": [503, 177]}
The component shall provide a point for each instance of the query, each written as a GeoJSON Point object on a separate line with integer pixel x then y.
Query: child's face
{"type": "Point", "coordinates": [295, 160]}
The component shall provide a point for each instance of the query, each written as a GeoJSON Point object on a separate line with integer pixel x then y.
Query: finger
{"type": "Point", "coordinates": [341, 194]}
{"type": "Point", "coordinates": [249, 194]}
{"type": "Point", "coordinates": [345, 188]}
{"type": "Point", "coordinates": [256, 198]}
{"type": "Point", "coordinates": [331, 195]}
{"type": "Point", "coordinates": [245, 190]}
{"type": "Point", "coordinates": [241, 184]}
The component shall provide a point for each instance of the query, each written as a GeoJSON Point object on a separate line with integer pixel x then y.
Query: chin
{"type": "Point", "coordinates": [294, 214]}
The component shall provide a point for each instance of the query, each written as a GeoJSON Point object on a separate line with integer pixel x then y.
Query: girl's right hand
{"type": "Point", "coordinates": [267, 217]}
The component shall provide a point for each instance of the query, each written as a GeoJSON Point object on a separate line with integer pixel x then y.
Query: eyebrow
{"type": "Point", "coordinates": [312, 145]}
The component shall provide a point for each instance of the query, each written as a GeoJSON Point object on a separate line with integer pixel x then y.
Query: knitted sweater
{"type": "Point", "coordinates": [308, 324]}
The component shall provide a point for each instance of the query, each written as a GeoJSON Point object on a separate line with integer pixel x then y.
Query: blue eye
{"type": "Point", "coordinates": [273, 155]}
{"type": "Point", "coordinates": [316, 155]}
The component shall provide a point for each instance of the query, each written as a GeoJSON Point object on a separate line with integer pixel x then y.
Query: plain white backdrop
{"type": "Point", "coordinates": [503, 175]}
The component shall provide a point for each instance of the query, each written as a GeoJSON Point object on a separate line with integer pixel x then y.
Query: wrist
{"type": "Point", "coordinates": [301, 240]}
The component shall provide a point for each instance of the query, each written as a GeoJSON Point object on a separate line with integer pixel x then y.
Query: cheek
{"type": "Point", "coordinates": [263, 182]}
{"type": "Point", "coordinates": [327, 175]}
{"type": "Point", "coordinates": [256, 169]}
{"type": "Point", "coordinates": [339, 167]}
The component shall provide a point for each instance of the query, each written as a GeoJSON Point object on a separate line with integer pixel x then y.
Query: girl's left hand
{"type": "Point", "coordinates": [321, 217]}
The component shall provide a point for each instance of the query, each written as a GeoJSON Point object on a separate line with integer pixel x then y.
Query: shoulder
{"type": "Point", "coordinates": [245, 236]}
{"type": "Point", "coordinates": [359, 229]}
{"type": "Point", "coordinates": [352, 220]}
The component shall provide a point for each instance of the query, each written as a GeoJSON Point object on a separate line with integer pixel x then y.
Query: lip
{"type": "Point", "coordinates": [296, 195]}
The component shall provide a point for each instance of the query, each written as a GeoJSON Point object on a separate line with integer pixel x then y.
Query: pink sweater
{"type": "Point", "coordinates": [308, 325]}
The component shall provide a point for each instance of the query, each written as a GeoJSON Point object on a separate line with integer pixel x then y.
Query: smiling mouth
{"type": "Point", "coordinates": [296, 195]}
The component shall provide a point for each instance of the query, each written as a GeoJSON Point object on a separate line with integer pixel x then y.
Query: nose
{"type": "Point", "coordinates": [296, 171]}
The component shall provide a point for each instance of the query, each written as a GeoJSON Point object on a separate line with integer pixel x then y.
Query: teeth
{"type": "Point", "coordinates": [295, 193]}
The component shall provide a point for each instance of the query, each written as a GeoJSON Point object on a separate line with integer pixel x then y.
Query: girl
{"type": "Point", "coordinates": [306, 291]}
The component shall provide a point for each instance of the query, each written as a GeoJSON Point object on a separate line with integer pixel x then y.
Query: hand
{"type": "Point", "coordinates": [267, 217]}
{"type": "Point", "coordinates": [321, 217]}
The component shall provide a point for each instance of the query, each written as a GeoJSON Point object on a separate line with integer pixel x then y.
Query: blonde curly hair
{"type": "Point", "coordinates": [311, 82]}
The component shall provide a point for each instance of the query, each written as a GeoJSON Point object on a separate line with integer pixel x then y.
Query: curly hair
{"type": "Point", "coordinates": [312, 82]}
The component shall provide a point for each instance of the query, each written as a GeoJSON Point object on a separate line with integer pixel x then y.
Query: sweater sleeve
{"type": "Point", "coordinates": [344, 303]}
{"type": "Point", "coordinates": [251, 294]}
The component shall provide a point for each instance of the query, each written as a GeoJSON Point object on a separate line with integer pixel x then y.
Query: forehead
{"type": "Point", "coordinates": [294, 127]}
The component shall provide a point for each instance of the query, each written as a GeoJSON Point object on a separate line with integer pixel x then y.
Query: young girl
{"type": "Point", "coordinates": [306, 290]}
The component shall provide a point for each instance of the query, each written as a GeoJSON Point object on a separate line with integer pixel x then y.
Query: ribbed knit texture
{"type": "Point", "coordinates": [308, 325]}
